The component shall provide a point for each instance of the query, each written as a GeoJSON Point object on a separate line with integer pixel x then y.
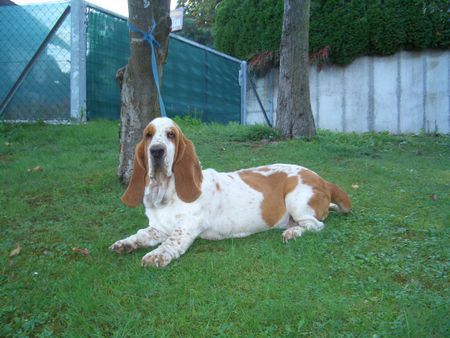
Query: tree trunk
{"type": "Point", "coordinates": [139, 97]}
{"type": "Point", "coordinates": [294, 115]}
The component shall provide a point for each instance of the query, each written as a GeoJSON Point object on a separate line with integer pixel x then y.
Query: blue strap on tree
{"type": "Point", "coordinates": [148, 36]}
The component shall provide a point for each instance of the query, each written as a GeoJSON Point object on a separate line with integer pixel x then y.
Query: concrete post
{"type": "Point", "coordinates": [78, 61]}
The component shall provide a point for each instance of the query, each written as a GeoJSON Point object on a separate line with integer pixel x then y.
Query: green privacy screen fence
{"type": "Point", "coordinates": [108, 49]}
{"type": "Point", "coordinates": [200, 83]}
{"type": "Point", "coordinates": [196, 81]}
{"type": "Point", "coordinates": [36, 68]}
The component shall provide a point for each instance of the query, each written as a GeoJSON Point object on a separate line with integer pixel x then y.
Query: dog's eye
{"type": "Point", "coordinates": [170, 134]}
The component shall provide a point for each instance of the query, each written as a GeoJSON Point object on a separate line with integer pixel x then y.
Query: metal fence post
{"type": "Point", "coordinates": [78, 61]}
{"type": "Point", "coordinates": [243, 83]}
{"type": "Point", "coordinates": [271, 114]}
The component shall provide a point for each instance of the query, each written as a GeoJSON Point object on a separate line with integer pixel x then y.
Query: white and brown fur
{"type": "Point", "coordinates": [183, 202]}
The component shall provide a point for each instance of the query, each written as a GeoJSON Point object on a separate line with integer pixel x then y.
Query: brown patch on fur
{"type": "Point", "coordinates": [218, 187]}
{"type": "Point", "coordinates": [274, 188]}
{"type": "Point", "coordinates": [134, 194]}
{"type": "Point", "coordinates": [149, 131]}
{"type": "Point", "coordinates": [323, 193]}
{"type": "Point", "coordinates": [187, 170]}
{"type": "Point", "coordinates": [176, 131]}
{"type": "Point", "coordinates": [262, 169]}
{"type": "Point", "coordinates": [321, 198]}
{"type": "Point", "coordinates": [340, 197]}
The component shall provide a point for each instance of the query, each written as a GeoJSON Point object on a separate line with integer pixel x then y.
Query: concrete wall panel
{"type": "Point", "coordinates": [403, 93]}
{"type": "Point", "coordinates": [437, 99]}
{"type": "Point", "coordinates": [411, 92]}
{"type": "Point", "coordinates": [385, 93]}
{"type": "Point", "coordinates": [331, 88]}
{"type": "Point", "coordinates": [357, 95]}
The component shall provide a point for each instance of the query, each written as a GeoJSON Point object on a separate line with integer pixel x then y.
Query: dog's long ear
{"type": "Point", "coordinates": [187, 170]}
{"type": "Point", "coordinates": [134, 194]}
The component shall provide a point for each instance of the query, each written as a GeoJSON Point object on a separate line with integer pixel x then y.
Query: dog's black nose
{"type": "Point", "coordinates": [157, 151]}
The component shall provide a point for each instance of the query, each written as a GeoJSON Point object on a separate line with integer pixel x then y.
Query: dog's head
{"type": "Point", "coordinates": [164, 152]}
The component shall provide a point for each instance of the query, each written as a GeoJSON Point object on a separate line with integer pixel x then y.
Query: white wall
{"type": "Point", "coordinates": [404, 93]}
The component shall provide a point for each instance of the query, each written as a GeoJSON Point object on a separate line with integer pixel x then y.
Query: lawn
{"type": "Point", "coordinates": [380, 271]}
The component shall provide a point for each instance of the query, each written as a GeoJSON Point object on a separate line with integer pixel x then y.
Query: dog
{"type": "Point", "coordinates": [183, 202]}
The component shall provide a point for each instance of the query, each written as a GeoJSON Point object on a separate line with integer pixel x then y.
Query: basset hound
{"type": "Point", "coordinates": [183, 202]}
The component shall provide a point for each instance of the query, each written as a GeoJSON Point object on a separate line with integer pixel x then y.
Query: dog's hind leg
{"type": "Point", "coordinates": [334, 207]}
{"type": "Point", "coordinates": [303, 224]}
{"type": "Point", "coordinates": [307, 207]}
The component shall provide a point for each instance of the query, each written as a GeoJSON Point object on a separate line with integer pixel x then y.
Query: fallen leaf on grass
{"type": "Point", "coordinates": [84, 252]}
{"type": "Point", "coordinates": [16, 251]}
{"type": "Point", "coordinates": [355, 186]}
{"type": "Point", "coordinates": [35, 169]}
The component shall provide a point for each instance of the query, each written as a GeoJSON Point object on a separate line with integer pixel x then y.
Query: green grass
{"type": "Point", "coordinates": [382, 270]}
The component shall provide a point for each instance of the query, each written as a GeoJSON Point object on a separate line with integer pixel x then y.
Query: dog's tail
{"type": "Point", "coordinates": [340, 197]}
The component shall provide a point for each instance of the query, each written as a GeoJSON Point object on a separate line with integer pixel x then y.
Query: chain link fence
{"type": "Point", "coordinates": [35, 68]}
{"type": "Point", "coordinates": [35, 62]}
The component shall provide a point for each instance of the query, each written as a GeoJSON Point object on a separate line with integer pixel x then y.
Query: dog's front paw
{"type": "Point", "coordinates": [158, 259]}
{"type": "Point", "coordinates": [122, 246]}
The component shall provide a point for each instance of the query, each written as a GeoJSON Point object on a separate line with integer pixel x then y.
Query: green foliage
{"type": "Point", "coordinates": [243, 28]}
{"type": "Point", "coordinates": [234, 131]}
{"type": "Point", "coordinates": [385, 36]}
{"type": "Point", "coordinates": [380, 271]}
{"type": "Point", "coordinates": [257, 132]}
{"type": "Point", "coordinates": [341, 25]}
{"type": "Point", "coordinates": [200, 34]}
{"type": "Point", "coordinates": [198, 20]}
{"type": "Point", "coordinates": [203, 11]}
{"type": "Point", "coordinates": [351, 28]}
{"type": "Point", "coordinates": [187, 120]}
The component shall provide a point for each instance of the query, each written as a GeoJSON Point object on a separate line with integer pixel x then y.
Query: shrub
{"type": "Point", "coordinates": [246, 27]}
{"type": "Point", "coordinates": [351, 28]}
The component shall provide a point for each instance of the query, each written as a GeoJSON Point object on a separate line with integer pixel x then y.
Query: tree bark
{"type": "Point", "coordinates": [139, 97]}
{"type": "Point", "coordinates": [294, 114]}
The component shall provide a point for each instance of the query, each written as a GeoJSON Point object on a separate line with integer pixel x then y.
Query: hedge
{"type": "Point", "coordinates": [351, 28]}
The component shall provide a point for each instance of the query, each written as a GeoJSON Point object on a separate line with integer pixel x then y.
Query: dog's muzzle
{"type": "Point", "coordinates": [157, 152]}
